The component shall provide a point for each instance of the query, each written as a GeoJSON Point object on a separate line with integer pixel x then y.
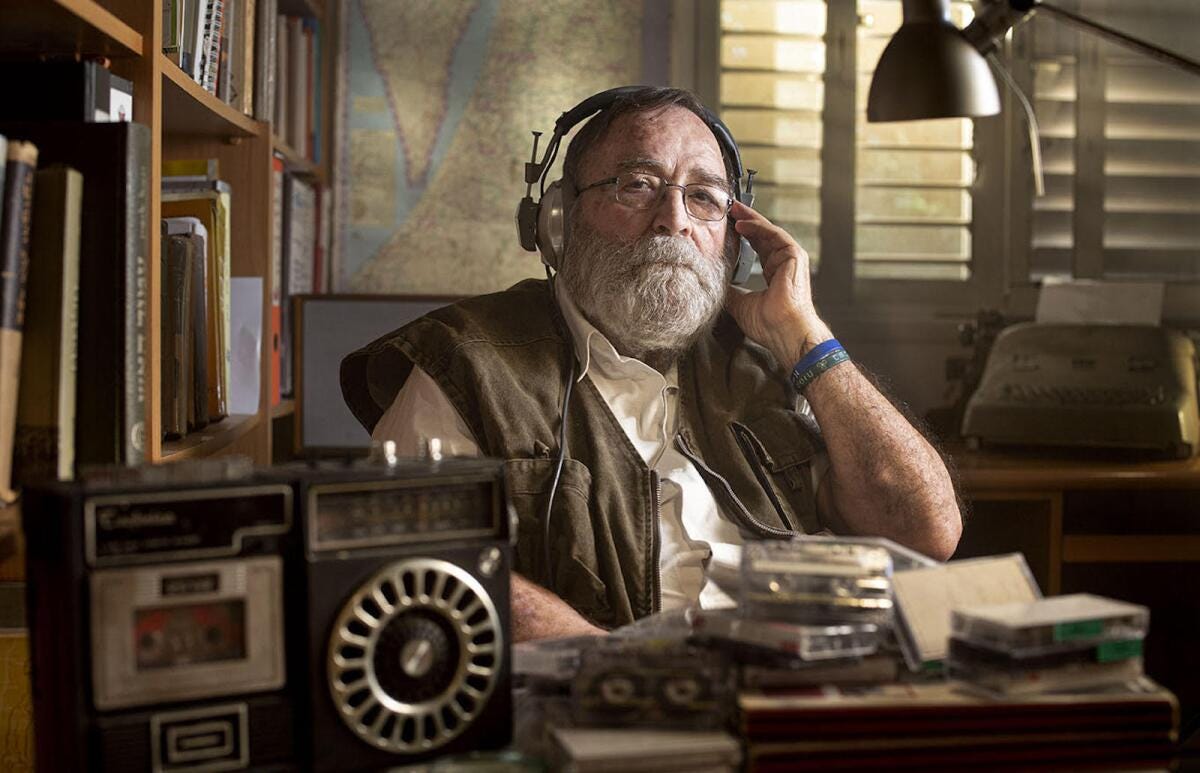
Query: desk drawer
{"type": "Point", "coordinates": [1150, 511]}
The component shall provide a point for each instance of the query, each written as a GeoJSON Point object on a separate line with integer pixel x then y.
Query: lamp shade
{"type": "Point", "coordinates": [929, 70]}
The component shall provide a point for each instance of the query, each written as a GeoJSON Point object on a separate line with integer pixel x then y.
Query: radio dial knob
{"type": "Point", "coordinates": [416, 658]}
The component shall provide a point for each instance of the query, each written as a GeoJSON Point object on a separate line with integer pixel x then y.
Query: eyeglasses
{"type": "Point", "coordinates": [640, 190]}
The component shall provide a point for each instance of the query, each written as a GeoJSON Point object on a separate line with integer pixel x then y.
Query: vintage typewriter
{"type": "Point", "coordinates": [1118, 387]}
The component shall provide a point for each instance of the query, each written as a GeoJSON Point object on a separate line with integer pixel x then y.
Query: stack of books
{"type": "Point", "coordinates": [940, 725]}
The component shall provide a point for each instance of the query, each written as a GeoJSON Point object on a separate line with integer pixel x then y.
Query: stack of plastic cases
{"type": "Point", "coordinates": [810, 599]}
{"type": "Point", "coordinates": [1053, 644]}
{"type": "Point", "coordinates": [816, 582]}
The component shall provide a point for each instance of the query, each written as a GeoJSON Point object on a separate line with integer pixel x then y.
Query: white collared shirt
{"type": "Point", "coordinates": [694, 533]}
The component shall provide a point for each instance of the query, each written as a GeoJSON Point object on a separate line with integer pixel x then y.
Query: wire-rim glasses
{"type": "Point", "coordinates": [642, 190]}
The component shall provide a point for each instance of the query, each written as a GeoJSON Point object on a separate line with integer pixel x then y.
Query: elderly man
{"type": "Point", "coordinates": [683, 434]}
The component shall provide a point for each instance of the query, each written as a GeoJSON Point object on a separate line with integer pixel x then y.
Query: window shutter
{"type": "Point", "coordinates": [1121, 139]}
{"type": "Point", "coordinates": [772, 94]}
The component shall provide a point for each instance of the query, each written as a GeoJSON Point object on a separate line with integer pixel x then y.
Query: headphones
{"type": "Point", "coordinates": [542, 224]}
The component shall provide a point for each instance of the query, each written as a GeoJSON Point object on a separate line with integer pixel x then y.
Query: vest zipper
{"type": "Point", "coordinates": [656, 542]}
{"type": "Point", "coordinates": [760, 473]}
{"type": "Point", "coordinates": [740, 509]}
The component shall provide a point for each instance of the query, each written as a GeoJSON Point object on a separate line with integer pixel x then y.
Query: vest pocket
{"type": "Point", "coordinates": [573, 573]}
{"type": "Point", "coordinates": [777, 450]}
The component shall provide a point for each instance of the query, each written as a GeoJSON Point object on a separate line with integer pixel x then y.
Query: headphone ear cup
{"type": "Point", "coordinates": [552, 225]}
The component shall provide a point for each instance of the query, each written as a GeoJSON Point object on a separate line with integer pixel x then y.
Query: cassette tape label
{"type": "Point", "coordinates": [196, 633]}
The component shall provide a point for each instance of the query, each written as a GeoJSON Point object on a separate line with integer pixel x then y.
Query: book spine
{"type": "Point", "coordinates": [68, 369]}
{"type": "Point", "coordinates": [170, 27]}
{"type": "Point", "coordinates": [228, 30]}
{"type": "Point", "coordinates": [198, 394]}
{"type": "Point", "coordinates": [200, 11]}
{"type": "Point", "coordinates": [212, 51]}
{"type": "Point", "coordinates": [137, 253]}
{"type": "Point", "coordinates": [246, 70]}
{"type": "Point", "coordinates": [280, 126]}
{"type": "Point", "coordinates": [264, 60]}
{"type": "Point", "coordinates": [14, 272]}
{"type": "Point", "coordinates": [168, 338]}
{"type": "Point", "coordinates": [276, 279]}
{"type": "Point", "coordinates": [297, 85]}
{"type": "Point", "coordinates": [46, 405]}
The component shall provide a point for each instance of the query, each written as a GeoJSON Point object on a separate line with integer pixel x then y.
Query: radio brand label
{"type": "Point", "coordinates": [180, 523]}
{"type": "Point", "coordinates": [113, 519]}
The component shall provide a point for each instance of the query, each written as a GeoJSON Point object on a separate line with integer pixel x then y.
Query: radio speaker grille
{"type": "Point", "coordinates": [414, 655]}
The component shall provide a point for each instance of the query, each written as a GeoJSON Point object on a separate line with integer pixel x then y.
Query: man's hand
{"type": "Point", "coordinates": [782, 317]}
{"type": "Point", "coordinates": [539, 614]}
{"type": "Point", "coordinates": [884, 478]}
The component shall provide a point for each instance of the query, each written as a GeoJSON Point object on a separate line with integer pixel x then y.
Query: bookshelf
{"type": "Point", "coordinates": [186, 122]}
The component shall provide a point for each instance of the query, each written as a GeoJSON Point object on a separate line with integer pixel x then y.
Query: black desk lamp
{"type": "Point", "coordinates": [931, 69]}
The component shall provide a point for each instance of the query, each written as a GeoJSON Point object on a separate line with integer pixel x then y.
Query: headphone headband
{"type": "Point", "coordinates": [541, 225]}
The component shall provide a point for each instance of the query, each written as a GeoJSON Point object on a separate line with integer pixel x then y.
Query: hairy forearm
{"type": "Point", "coordinates": [884, 478]}
{"type": "Point", "coordinates": [539, 614]}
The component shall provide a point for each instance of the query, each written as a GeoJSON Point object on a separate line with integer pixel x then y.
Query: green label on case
{"type": "Point", "coordinates": [1083, 629]}
{"type": "Point", "coordinates": [1109, 651]}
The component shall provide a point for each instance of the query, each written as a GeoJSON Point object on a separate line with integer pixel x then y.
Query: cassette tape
{"type": "Point", "coordinates": [185, 631]}
{"type": "Point", "coordinates": [655, 684]}
{"type": "Point", "coordinates": [801, 642]}
{"type": "Point", "coordinates": [1059, 622]}
{"type": "Point", "coordinates": [816, 582]}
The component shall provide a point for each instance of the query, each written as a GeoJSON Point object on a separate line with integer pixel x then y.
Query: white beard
{"type": "Point", "coordinates": [654, 295]}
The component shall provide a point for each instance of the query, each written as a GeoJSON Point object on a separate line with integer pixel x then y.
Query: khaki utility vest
{"type": "Point", "coordinates": [503, 359]}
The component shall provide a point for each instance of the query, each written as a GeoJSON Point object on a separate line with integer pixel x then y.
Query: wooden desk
{"type": "Point", "coordinates": [1125, 529]}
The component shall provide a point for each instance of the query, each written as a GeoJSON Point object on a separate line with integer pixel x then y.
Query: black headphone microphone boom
{"type": "Point", "coordinates": [542, 224]}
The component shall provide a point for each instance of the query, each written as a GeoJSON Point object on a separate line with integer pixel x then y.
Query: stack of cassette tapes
{"type": "Point", "coordinates": [805, 602]}
{"type": "Point", "coordinates": [1063, 643]}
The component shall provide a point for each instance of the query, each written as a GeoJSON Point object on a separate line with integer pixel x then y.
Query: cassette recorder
{"type": "Point", "coordinates": [156, 606]}
{"type": "Point", "coordinates": [205, 618]}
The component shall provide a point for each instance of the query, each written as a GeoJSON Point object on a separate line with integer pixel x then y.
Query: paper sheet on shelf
{"type": "Point", "coordinates": [246, 309]}
{"type": "Point", "coordinates": [1090, 301]}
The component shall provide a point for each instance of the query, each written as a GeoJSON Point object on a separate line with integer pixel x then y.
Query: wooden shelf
{"type": "Point", "coordinates": [209, 440]}
{"type": "Point", "coordinates": [65, 27]}
{"type": "Point", "coordinates": [285, 408]}
{"type": "Point", "coordinates": [190, 110]}
{"type": "Point", "coordinates": [295, 161]}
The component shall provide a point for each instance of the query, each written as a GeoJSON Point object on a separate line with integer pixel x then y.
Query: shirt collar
{"type": "Point", "coordinates": [592, 348]}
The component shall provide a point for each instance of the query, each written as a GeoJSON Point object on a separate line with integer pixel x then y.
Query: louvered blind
{"type": "Point", "coordinates": [772, 96]}
{"type": "Point", "coordinates": [912, 200]}
{"type": "Point", "coordinates": [1121, 139]}
{"type": "Point", "coordinates": [913, 209]}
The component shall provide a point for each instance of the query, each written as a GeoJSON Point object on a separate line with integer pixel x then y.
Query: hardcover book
{"type": "Point", "coordinates": [299, 240]}
{"type": "Point", "coordinates": [210, 204]}
{"type": "Point", "coordinates": [21, 161]}
{"type": "Point", "coordinates": [197, 394]}
{"type": "Point", "coordinates": [46, 407]}
{"type": "Point", "coordinates": [178, 258]}
{"type": "Point", "coordinates": [114, 159]}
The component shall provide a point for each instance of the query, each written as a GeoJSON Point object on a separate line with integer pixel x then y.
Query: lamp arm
{"type": "Point", "coordinates": [1121, 38]}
